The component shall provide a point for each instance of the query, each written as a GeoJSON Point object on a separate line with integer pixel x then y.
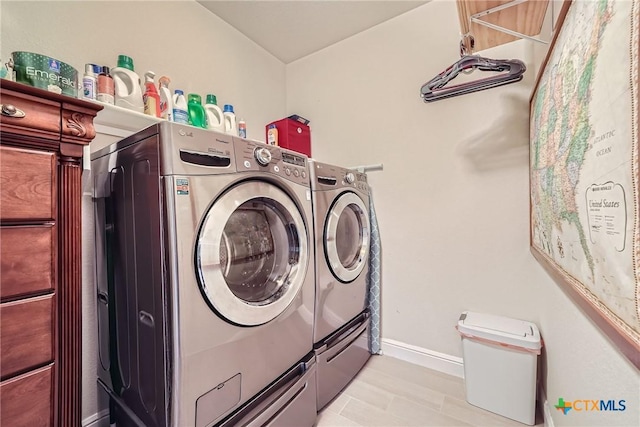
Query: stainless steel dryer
{"type": "Point", "coordinates": [204, 277]}
{"type": "Point", "coordinates": [342, 236]}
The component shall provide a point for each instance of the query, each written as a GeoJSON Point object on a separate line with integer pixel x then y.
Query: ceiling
{"type": "Point", "coordinates": [290, 30]}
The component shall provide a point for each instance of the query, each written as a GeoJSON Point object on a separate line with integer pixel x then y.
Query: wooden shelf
{"type": "Point", "coordinates": [525, 18]}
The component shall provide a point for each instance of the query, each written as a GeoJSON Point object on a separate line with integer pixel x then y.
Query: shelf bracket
{"type": "Point", "coordinates": [475, 18]}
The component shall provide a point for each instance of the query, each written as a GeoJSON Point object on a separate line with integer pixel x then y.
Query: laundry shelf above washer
{"type": "Point", "coordinates": [119, 121]}
{"type": "Point", "coordinates": [495, 22]}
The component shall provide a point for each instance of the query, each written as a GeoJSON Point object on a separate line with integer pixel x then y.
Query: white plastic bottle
{"type": "Point", "coordinates": [272, 134]}
{"type": "Point", "coordinates": [89, 82]}
{"type": "Point", "coordinates": [242, 128]}
{"type": "Point", "coordinates": [180, 108]}
{"type": "Point", "coordinates": [215, 118]}
{"type": "Point", "coordinates": [127, 85]}
{"type": "Point", "coordinates": [166, 102]}
{"type": "Point", "coordinates": [106, 88]}
{"type": "Point", "coordinates": [230, 120]}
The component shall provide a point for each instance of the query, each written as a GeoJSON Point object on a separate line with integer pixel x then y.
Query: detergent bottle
{"type": "Point", "coordinates": [197, 116]}
{"type": "Point", "coordinates": [229, 120]}
{"type": "Point", "coordinates": [127, 85]}
{"type": "Point", "coordinates": [215, 119]}
{"type": "Point", "coordinates": [166, 103]}
{"type": "Point", "coordinates": [151, 98]}
{"type": "Point", "coordinates": [180, 113]}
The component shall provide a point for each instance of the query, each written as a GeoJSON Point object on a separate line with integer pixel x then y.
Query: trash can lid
{"type": "Point", "coordinates": [501, 330]}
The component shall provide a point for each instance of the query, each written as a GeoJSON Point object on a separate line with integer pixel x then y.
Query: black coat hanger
{"type": "Point", "coordinates": [512, 71]}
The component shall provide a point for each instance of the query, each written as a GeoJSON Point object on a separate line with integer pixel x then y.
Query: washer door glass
{"type": "Point", "coordinates": [252, 253]}
{"type": "Point", "coordinates": [347, 237]}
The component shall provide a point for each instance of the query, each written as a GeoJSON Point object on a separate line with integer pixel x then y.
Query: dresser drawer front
{"type": "Point", "coordinates": [27, 184]}
{"type": "Point", "coordinates": [27, 400]}
{"type": "Point", "coordinates": [27, 260]}
{"type": "Point", "coordinates": [41, 118]}
{"type": "Point", "coordinates": [26, 333]}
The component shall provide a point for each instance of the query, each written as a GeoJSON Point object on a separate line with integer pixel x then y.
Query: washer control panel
{"type": "Point", "coordinates": [262, 155]}
{"type": "Point", "coordinates": [256, 156]}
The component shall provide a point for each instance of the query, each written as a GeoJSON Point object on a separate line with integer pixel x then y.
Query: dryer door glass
{"type": "Point", "coordinates": [252, 253]}
{"type": "Point", "coordinates": [347, 237]}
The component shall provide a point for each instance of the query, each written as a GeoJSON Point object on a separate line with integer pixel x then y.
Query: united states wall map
{"type": "Point", "coordinates": [584, 158]}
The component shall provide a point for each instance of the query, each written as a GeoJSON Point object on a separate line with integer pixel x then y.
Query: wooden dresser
{"type": "Point", "coordinates": [41, 139]}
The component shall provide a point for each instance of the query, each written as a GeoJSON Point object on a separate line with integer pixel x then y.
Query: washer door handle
{"type": "Point", "coordinates": [146, 318]}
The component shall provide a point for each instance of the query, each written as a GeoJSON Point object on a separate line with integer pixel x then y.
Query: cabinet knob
{"type": "Point", "coordinates": [11, 111]}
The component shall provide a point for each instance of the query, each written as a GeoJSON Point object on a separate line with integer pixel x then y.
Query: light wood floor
{"type": "Point", "coordinates": [391, 392]}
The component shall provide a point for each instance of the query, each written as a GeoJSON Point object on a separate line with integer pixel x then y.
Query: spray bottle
{"type": "Point", "coordinates": [166, 103]}
{"type": "Point", "coordinates": [151, 98]}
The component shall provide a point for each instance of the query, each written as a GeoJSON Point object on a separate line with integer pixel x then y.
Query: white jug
{"type": "Point", "coordinates": [127, 85]}
{"type": "Point", "coordinates": [230, 120]}
{"type": "Point", "coordinates": [215, 117]}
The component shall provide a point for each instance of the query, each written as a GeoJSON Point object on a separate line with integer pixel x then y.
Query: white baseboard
{"type": "Point", "coordinates": [446, 363]}
{"type": "Point", "coordinates": [100, 419]}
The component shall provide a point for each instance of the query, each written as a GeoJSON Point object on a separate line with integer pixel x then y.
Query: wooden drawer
{"type": "Point", "coordinates": [26, 334]}
{"type": "Point", "coordinates": [27, 400]}
{"type": "Point", "coordinates": [27, 184]}
{"type": "Point", "coordinates": [41, 117]}
{"type": "Point", "coordinates": [27, 260]}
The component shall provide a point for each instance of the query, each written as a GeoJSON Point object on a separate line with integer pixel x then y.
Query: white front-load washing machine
{"type": "Point", "coordinates": [342, 236]}
{"type": "Point", "coordinates": [205, 279]}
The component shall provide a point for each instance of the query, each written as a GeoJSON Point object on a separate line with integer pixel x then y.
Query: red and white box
{"type": "Point", "coordinates": [293, 134]}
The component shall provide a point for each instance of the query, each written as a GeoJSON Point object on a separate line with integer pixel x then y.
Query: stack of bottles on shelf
{"type": "Point", "coordinates": [122, 87]}
{"type": "Point", "coordinates": [98, 84]}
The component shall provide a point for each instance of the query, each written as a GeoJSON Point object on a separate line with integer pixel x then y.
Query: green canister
{"type": "Point", "coordinates": [45, 73]}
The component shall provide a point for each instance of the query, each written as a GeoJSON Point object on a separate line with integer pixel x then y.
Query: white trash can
{"type": "Point", "coordinates": [500, 364]}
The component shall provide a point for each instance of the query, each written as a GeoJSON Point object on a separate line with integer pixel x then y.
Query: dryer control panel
{"type": "Point", "coordinates": [256, 156]}
{"type": "Point", "coordinates": [330, 177]}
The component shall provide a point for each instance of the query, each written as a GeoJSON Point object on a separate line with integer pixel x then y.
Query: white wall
{"type": "Point", "coordinates": [197, 50]}
{"type": "Point", "coordinates": [452, 201]}
{"type": "Point", "coordinates": [181, 39]}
